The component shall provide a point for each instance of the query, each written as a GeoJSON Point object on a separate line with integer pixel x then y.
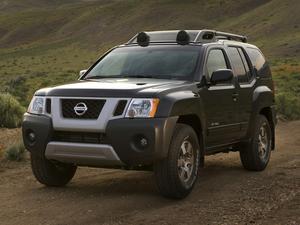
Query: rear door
{"type": "Point", "coordinates": [219, 102]}
{"type": "Point", "coordinates": [246, 83]}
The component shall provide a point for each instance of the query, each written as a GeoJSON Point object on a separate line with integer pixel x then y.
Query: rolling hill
{"type": "Point", "coordinates": [45, 42]}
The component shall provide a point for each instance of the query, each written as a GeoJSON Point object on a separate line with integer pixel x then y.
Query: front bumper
{"type": "Point", "coordinates": [129, 142]}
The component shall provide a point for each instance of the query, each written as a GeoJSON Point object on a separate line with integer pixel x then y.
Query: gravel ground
{"type": "Point", "coordinates": [225, 193]}
{"type": "Point", "coordinates": [8, 137]}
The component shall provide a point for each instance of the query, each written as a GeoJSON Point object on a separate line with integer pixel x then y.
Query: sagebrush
{"type": "Point", "coordinates": [11, 111]}
{"type": "Point", "coordinates": [15, 152]}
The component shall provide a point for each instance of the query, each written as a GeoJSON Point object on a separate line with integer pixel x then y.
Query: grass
{"type": "Point", "coordinates": [286, 74]}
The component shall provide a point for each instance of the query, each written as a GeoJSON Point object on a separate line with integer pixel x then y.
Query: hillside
{"type": "Point", "coordinates": [47, 42]}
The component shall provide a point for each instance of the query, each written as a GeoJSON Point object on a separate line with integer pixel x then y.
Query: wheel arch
{"type": "Point", "coordinates": [263, 103]}
{"type": "Point", "coordinates": [194, 121]}
{"type": "Point", "coordinates": [267, 112]}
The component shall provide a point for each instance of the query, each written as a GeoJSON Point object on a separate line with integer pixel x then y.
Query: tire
{"type": "Point", "coordinates": [50, 173]}
{"type": "Point", "coordinates": [256, 154]}
{"type": "Point", "coordinates": [176, 175]}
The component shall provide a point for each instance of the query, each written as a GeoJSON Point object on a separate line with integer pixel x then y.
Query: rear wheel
{"type": "Point", "coordinates": [177, 174]}
{"type": "Point", "coordinates": [257, 153]}
{"type": "Point", "coordinates": [51, 173]}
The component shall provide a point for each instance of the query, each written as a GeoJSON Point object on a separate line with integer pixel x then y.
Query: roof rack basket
{"type": "Point", "coordinates": [212, 35]}
{"type": "Point", "coordinates": [183, 37]}
{"type": "Point", "coordinates": [230, 36]}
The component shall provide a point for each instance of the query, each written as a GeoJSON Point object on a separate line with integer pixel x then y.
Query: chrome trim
{"type": "Point", "coordinates": [85, 125]}
{"type": "Point", "coordinates": [221, 87]}
{"type": "Point", "coordinates": [248, 85]}
{"type": "Point", "coordinates": [83, 154]}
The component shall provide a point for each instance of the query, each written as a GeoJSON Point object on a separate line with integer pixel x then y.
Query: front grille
{"type": "Point", "coordinates": [79, 137]}
{"type": "Point", "coordinates": [48, 105]}
{"type": "Point", "coordinates": [120, 107]}
{"type": "Point", "coordinates": [94, 107]}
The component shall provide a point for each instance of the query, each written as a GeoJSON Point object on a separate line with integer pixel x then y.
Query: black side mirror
{"type": "Point", "coordinates": [221, 76]}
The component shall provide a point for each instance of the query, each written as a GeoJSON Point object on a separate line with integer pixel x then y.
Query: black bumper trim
{"type": "Point", "coordinates": [125, 134]}
{"type": "Point", "coordinates": [42, 128]}
{"type": "Point", "coordinates": [122, 134]}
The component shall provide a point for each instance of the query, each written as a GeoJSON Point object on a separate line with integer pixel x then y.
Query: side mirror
{"type": "Point", "coordinates": [82, 72]}
{"type": "Point", "coordinates": [221, 76]}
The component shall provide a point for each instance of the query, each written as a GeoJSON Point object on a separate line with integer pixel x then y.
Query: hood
{"type": "Point", "coordinates": [113, 87]}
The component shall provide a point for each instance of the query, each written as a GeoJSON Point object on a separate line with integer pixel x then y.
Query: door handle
{"type": "Point", "coordinates": [235, 96]}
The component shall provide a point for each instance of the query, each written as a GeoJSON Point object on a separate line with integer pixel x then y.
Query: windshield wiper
{"type": "Point", "coordinates": [139, 76]}
{"type": "Point", "coordinates": [101, 77]}
{"type": "Point", "coordinates": [128, 76]}
{"type": "Point", "coordinates": [169, 77]}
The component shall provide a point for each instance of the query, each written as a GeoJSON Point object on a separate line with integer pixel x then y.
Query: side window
{"type": "Point", "coordinates": [258, 61]}
{"type": "Point", "coordinates": [256, 58]}
{"type": "Point", "coordinates": [247, 67]}
{"type": "Point", "coordinates": [215, 61]}
{"type": "Point", "coordinates": [238, 65]}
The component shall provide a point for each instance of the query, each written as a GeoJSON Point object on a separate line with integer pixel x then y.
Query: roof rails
{"type": "Point", "coordinates": [183, 37]}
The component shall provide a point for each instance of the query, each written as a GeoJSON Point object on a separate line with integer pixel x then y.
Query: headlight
{"type": "Point", "coordinates": [37, 105]}
{"type": "Point", "coordinates": [142, 107]}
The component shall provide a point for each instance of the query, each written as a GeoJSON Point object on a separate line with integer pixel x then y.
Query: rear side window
{"type": "Point", "coordinates": [257, 59]}
{"type": "Point", "coordinates": [215, 61]}
{"type": "Point", "coordinates": [239, 64]}
{"type": "Point", "coordinates": [259, 62]}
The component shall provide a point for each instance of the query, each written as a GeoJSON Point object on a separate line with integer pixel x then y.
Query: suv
{"type": "Point", "coordinates": [162, 101]}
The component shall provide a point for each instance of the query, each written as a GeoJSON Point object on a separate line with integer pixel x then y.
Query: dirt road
{"type": "Point", "coordinates": [224, 194]}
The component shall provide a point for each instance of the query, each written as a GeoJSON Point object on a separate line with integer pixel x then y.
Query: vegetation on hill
{"type": "Point", "coordinates": [44, 43]}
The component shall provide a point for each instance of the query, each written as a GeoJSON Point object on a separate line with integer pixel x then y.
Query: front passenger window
{"type": "Point", "coordinates": [215, 61]}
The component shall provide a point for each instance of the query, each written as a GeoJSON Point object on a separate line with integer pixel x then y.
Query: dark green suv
{"type": "Point", "coordinates": [162, 101]}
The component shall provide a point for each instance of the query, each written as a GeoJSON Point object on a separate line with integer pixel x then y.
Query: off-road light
{"type": "Point", "coordinates": [143, 39]}
{"type": "Point", "coordinates": [183, 38]}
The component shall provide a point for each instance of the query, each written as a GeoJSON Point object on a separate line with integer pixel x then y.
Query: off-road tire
{"type": "Point", "coordinates": [50, 173]}
{"type": "Point", "coordinates": [167, 171]}
{"type": "Point", "coordinates": [250, 154]}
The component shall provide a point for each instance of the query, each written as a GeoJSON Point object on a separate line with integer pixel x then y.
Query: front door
{"type": "Point", "coordinates": [220, 103]}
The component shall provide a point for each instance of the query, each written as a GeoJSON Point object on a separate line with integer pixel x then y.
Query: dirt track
{"type": "Point", "coordinates": [224, 194]}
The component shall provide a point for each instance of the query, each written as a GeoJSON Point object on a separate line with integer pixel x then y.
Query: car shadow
{"type": "Point", "coordinates": [120, 183]}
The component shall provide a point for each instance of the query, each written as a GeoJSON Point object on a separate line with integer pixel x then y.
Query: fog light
{"type": "Point", "coordinates": [140, 142]}
{"type": "Point", "coordinates": [31, 136]}
{"type": "Point", "coordinates": [144, 142]}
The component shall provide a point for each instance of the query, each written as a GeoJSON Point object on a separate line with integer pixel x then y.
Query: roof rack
{"type": "Point", "coordinates": [183, 37]}
{"type": "Point", "coordinates": [230, 36]}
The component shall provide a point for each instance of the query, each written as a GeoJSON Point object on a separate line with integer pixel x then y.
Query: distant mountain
{"type": "Point", "coordinates": [272, 24]}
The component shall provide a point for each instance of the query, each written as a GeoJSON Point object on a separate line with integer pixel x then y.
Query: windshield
{"type": "Point", "coordinates": [167, 62]}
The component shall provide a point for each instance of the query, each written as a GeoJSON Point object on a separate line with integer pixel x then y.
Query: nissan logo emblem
{"type": "Point", "coordinates": [80, 108]}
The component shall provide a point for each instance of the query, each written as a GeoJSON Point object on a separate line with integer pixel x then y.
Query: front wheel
{"type": "Point", "coordinates": [51, 173]}
{"type": "Point", "coordinates": [257, 153]}
{"type": "Point", "coordinates": [177, 174]}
